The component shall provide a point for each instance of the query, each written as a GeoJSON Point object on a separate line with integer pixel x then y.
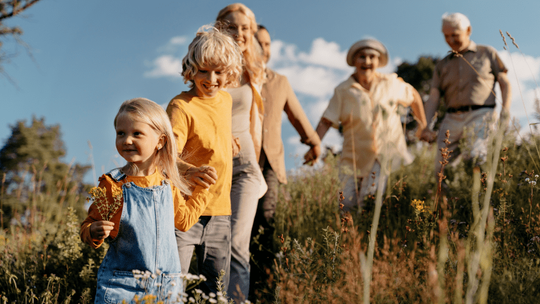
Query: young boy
{"type": "Point", "coordinates": [201, 121]}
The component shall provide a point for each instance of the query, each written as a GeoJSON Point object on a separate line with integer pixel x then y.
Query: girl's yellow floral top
{"type": "Point", "coordinates": [107, 202]}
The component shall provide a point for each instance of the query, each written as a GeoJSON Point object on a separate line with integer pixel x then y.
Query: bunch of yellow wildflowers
{"type": "Point", "coordinates": [98, 196]}
{"type": "Point", "coordinates": [419, 206]}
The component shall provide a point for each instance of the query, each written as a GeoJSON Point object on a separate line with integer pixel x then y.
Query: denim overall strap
{"type": "Point", "coordinates": [145, 242]}
{"type": "Point", "coordinates": [117, 174]}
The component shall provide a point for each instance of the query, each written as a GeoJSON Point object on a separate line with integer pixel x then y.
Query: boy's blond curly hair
{"type": "Point", "coordinates": [212, 47]}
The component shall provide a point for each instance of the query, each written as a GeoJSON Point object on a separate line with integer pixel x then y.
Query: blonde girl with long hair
{"type": "Point", "coordinates": [137, 207]}
{"type": "Point", "coordinates": [248, 184]}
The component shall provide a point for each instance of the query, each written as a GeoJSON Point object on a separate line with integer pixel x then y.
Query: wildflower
{"type": "Point", "coordinates": [158, 272]}
{"type": "Point", "coordinates": [419, 205]}
{"type": "Point", "coordinates": [212, 295]}
{"type": "Point", "coordinates": [212, 301]}
{"type": "Point", "coordinates": [527, 179]}
{"type": "Point", "coordinates": [191, 300]}
{"type": "Point", "coordinates": [198, 291]}
{"type": "Point", "coordinates": [533, 183]}
{"type": "Point", "coordinates": [173, 283]}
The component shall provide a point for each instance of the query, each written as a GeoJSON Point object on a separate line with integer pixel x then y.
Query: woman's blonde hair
{"type": "Point", "coordinates": [253, 60]}
{"type": "Point", "coordinates": [149, 112]}
{"type": "Point", "coordinates": [212, 47]}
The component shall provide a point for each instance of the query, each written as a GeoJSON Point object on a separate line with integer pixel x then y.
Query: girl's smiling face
{"type": "Point", "coordinates": [239, 29]}
{"type": "Point", "coordinates": [137, 142]}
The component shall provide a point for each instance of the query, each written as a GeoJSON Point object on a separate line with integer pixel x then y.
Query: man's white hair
{"type": "Point", "coordinates": [457, 20]}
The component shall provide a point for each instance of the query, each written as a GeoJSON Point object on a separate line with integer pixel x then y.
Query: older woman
{"type": "Point", "coordinates": [247, 181]}
{"type": "Point", "coordinates": [366, 105]}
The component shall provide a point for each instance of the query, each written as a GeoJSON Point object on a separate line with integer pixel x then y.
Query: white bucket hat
{"type": "Point", "coordinates": [371, 44]}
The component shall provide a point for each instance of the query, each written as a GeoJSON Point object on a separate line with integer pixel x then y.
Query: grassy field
{"type": "Point", "coordinates": [476, 242]}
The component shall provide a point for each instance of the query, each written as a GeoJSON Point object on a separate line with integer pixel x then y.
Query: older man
{"type": "Point", "coordinates": [278, 96]}
{"type": "Point", "coordinates": [466, 78]}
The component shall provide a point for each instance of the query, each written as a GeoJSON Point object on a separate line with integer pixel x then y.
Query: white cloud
{"type": "Point", "coordinates": [315, 73]}
{"type": "Point", "coordinates": [169, 64]}
{"type": "Point", "coordinates": [523, 73]}
{"type": "Point", "coordinates": [174, 44]}
{"type": "Point", "coordinates": [165, 66]}
{"type": "Point", "coordinates": [312, 80]}
{"type": "Point", "coordinates": [326, 54]}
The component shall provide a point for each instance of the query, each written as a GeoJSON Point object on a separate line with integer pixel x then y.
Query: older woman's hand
{"type": "Point", "coordinates": [427, 135]}
{"type": "Point", "coordinates": [312, 155]}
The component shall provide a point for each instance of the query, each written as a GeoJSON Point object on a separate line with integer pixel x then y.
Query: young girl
{"type": "Point", "coordinates": [138, 206]}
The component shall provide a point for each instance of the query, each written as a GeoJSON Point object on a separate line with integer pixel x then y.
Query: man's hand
{"type": "Point", "coordinates": [235, 146]}
{"type": "Point", "coordinates": [312, 155]}
{"type": "Point", "coordinates": [428, 135]}
{"type": "Point", "coordinates": [100, 230]}
{"type": "Point", "coordinates": [504, 118]}
{"type": "Point", "coordinates": [204, 176]}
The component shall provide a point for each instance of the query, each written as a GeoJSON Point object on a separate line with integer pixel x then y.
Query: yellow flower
{"type": "Point", "coordinates": [98, 196]}
{"type": "Point", "coordinates": [419, 205]}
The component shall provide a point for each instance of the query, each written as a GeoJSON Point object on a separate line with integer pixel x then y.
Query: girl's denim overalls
{"type": "Point", "coordinates": [145, 242]}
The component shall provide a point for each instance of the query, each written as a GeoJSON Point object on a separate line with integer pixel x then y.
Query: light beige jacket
{"type": "Point", "coordinates": [278, 96]}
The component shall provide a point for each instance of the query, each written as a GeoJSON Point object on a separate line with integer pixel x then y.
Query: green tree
{"type": "Point", "coordinates": [34, 174]}
{"type": "Point", "coordinates": [419, 75]}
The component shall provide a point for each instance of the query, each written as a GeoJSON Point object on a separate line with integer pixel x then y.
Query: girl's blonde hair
{"type": "Point", "coordinates": [212, 47]}
{"type": "Point", "coordinates": [253, 60]}
{"type": "Point", "coordinates": [149, 112]}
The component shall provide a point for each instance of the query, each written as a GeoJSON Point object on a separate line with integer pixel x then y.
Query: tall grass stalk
{"type": "Point", "coordinates": [443, 253]}
{"type": "Point", "coordinates": [367, 265]}
{"type": "Point", "coordinates": [482, 255]}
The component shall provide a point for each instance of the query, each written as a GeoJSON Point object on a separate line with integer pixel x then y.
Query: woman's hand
{"type": "Point", "coordinates": [312, 155]}
{"type": "Point", "coordinates": [100, 230]}
{"type": "Point", "coordinates": [236, 146]}
{"type": "Point", "coordinates": [204, 176]}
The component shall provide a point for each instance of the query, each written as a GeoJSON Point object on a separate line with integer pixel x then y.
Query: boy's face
{"type": "Point", "coordinates": [209, 80]}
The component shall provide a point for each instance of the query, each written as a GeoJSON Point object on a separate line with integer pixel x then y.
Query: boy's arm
{"type": "Point", "coordinates": [186, 214]}
{"type": "Point", "coordinates": [203, 176]}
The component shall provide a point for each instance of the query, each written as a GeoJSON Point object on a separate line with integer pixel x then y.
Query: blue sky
{"type": "Point", "coordinates": [87, 57]}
